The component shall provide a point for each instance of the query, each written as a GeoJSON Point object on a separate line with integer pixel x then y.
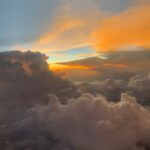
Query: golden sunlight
{"type": "Point", "coordinates": [60, 67]}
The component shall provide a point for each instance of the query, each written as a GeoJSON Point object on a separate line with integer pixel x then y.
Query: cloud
{"type": "Point", "coordinates": [109, 88]}
{"type": "Point", "coordinates": [139, 86]}
{"type": "Point", "coordinates": [136, 85]}
{"type": "Point", "coordinates": [118, 73]}
{"type": "Point", "coordinates": [48, 25]}
{"type": "Point", "coordinates": [74, 72]}
{"type": "Point", "coordinates": [44, 25]}
{"type": "Point", "coordinates": [78, 20]}
{"type": "Point", "coordinates": [39, 110]}
{"type": "Point", "coordinates": [88, 122]}
{"type": "Point", "coordinates": [61, 25]}
{"type": "Point", "coordinates": [23, 75]}
{"type": "Point", "coordinates": [124, 30]}
{"type": "Point", "coordinates": [93, 123]}
{"type": "Point", "coordinates": [69, 30]}
{"type": "Point", "coordinates": [119, 65]}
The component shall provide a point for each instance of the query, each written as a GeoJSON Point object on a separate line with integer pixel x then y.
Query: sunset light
{"type": "Point", "coordinates": [74, 74]}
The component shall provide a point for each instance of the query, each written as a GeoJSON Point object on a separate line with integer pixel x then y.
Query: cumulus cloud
{"type": "Point", "coordinates": [118, 72]}
{"type": "Point", "coordinates": [93, 123]}
{"type": "Point", "coordinates": [23, 75]}
{"type": "Point", "coordinates": [109, 88]}
{"type": "Point", "coordinates": [137, 86]}
{"type": "Point", "coordinates": [39, 110]}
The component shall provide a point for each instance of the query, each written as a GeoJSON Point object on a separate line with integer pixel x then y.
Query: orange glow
{"type": "Point", "coordinates": [60, 67]}
{"type": "Point", "coordinates": [60, 26]}
{"type": "Point", "coordinates": [130, 28]}
{"type": "Point", "coordinates": [69, 30]}
{"type": "Point", "coordinates": [116, 65]}
{"type": "Point", "coordinates": [74, 72]}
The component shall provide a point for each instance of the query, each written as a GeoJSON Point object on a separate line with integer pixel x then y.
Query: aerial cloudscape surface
{"type": "Point", "coordinates": [74, 75]}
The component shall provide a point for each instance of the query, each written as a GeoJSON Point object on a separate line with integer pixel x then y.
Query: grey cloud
{"type": "Point", "coordinates": [41, 111]}
{"type": "Point", "coordinates": [118, 65]}
{"type": "Point", "coordinates": [109, 88]}
{"type": "Point", "coordinates": [114, 80]}
{"type": "Point", "coordinates": [93, 123]}
{"type": "Point", "coordinates": [138, 86]}
{"type": "Point", "coordinates": [25, 79]}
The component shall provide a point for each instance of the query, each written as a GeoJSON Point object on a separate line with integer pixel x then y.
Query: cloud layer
{"type": "Point", "coordinates": [120, 65]}
{"type": "Point", "coordinates": [92, 123]}
{"type": "Point", "coordinates": [62, 25]}
{"type": "Point", "coordinates": [88, 122]}
{"type": "Point", "coordinates": [125, 30]}
{"type": "Point", "coordinates": [112, 74]}
{"type": "Point", "coordinates": [41, 111]}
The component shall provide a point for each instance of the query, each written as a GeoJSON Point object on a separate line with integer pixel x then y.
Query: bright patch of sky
{"type": "Point", "coordinates": [69, 55]}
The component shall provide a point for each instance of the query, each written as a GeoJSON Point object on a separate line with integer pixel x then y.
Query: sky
{"type": "Point", "coordinates": [74, 74]}
{"type": "Point", "coordinates": [74, 29]}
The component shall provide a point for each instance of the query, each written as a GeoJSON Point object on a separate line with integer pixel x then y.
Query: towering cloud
{"type": "Point", "coordinates": [23, 75]}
